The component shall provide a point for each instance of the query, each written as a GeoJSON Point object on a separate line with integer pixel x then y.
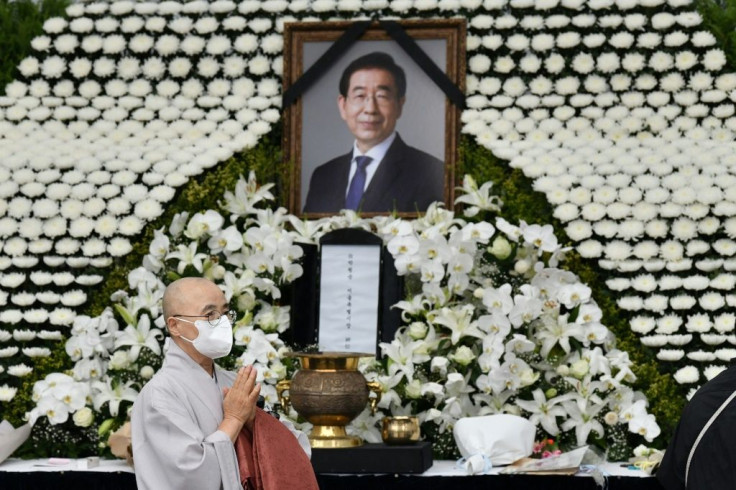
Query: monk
{"type": "Point", "coordinates": [195, 425]}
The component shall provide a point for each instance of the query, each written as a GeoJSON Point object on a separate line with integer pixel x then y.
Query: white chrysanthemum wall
{"type": "Point", "coordinates": [619, 110]}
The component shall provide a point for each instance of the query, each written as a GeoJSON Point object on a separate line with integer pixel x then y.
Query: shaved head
{"type": "Point", "coordinates": [183, 292]}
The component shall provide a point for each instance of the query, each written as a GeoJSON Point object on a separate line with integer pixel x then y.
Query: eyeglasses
{"type": "Point", "coordinates": [380, 98]}
{"type": "Point", "coordinates": [213, 317]}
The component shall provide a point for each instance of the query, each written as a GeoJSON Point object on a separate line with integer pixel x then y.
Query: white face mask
{"type": "Point", "coordinates": [213, 342]}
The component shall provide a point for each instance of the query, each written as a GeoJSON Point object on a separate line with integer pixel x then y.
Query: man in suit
{"type": "Point", "coordinates": [381, 173]}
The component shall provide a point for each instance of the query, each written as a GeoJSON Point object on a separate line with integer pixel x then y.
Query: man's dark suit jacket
{"type": "Point", "coordinates": [407, 180]}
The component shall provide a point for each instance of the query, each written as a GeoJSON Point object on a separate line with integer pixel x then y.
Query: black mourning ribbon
{"type": "Point", "coordinates": [349, 37]}
{"type": "Point", "coordinates": [325, 61]}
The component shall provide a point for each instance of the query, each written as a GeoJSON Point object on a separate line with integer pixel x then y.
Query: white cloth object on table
{"type": "Point", "coordinates": [502, 438]}
{"type": "Point", "coordinates": [11, 438]}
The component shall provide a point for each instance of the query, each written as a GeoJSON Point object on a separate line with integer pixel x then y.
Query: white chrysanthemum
{"type": "Point", "coordinates": [19, 370]}
{"type": "Point", "coordinates": [702, 39]}
{"type": "Point", "coordinates": [53, 67]}
{"type": "Point", "coordinates": [542, 42]}
{"type": "Point", "coordinates": [492, 41]}
{"type": "Point", "coordinates": [259, 65]}
{"type": "Point", "coordinates": [206, 25]}
{"type": "Point", "coordinates": [642, 324]}
{"type": "Point", "coordinates": [479, 63]}
{"type": "Point", "coordinates": [130, 225]}
{"type": "Point", "coordinates": [208, 67]}
{"type": "Point", "coordinates": [711, 301]}
{"type": "Point", "coordinates": [725, 247]}
{"type": "Point", "coordinates": [590, 249]}
{"type": "Point", "coordinates": [723, 282]}
{"type": "Point", "coordinates": [54, 25]}
{"type": "Point", "coordinates": [714, 59]}
{"type": "Point", "coordinates": [656, 303]}
{"type": "Point", "coordinates": [155, 24]}
{"type": "Point", "coordinates": [113, 44]}
{"type": "Point", "coordinates": [583, 63]}
{"type": "Point", "coordinates": [104, 67]}
{"type": "Point", "coordinates": [166, 45]}
{"type": "Point", "coordinates": [141, 43]}
{"type": "Point", "coordinates": [724, 323]}
{"type": "Point", "coordinates": [698, 323]}
{"type": "Point", "coordinates": [687, 375]}
{"type": "Point", "coordinates": [260, 25]}
{"type": "Point", "coordinates": [682, 302]}
{"type": "Point", "coordinates": [696, 283]}
{"type": "Point", "coordinates": [218, 45]}
{"type": "Point", "coordinates": [668, 324]}
{"type": "Point", "coordinates": [711, 372]}
{"type": "Point", "coordinates": [670, 354]}
{"type": "Point", "coordinates": [180, 67]}
{"type": "Point", "coordinates": [701, 356]}
{"type": "Point", "coordinates": [725, 354]}
{"type": "Point", "coordinates": [231, 23]}
{"type": "Point", "coordinates": [154, 68]}
{"type": "Point", "coordinates": [119, 247]}
{"type": "Point", "coordinates": [29, 66]}
{"type": "Point", "coordinates": [568, 40]}
{"type": "Point", "coordinates": [246, 43]}
{"type": "Point", "coordinates": [517, 42]}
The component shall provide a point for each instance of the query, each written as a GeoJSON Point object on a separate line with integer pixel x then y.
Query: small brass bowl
{"type": "Point", "coordinates": [400, 430]}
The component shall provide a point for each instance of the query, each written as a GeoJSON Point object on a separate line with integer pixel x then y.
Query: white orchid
{"type": "Point", "coordinates": [204, 224]}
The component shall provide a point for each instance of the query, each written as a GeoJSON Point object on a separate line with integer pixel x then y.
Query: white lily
{"type": "Point", "coordinates": [556, 331]}
{"type": "Point", "coordinates": [104, 392]}
{"type": "Point", "coordinates": [187, 255]}
{"type": "Point", "coordinates": [460, 322]}
{"type": "Point", "coordinates": [582, 413]}
{"type": "Point", "coordinates": [139, 336]}
{"type": "Point", "coordinates": [543, 411]}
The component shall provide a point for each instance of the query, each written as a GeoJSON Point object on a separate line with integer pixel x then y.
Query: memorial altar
{"type": "Point", "coordinates": [557, 244]}
{"type": "Point", "coordinates": [443, 475]}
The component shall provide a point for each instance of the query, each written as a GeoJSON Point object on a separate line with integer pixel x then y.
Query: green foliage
{"type": "Point", "coordinates": [21, 21]}
{"type": "Point", "coordinates": [719, 17]}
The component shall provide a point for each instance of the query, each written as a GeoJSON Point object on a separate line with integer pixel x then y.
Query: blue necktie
{"type": "Point", "coordinates": [355, 191]}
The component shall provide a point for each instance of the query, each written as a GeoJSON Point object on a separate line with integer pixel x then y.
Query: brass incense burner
{"type": "Point", "coordinates": [329, 392]}
{"type": "Point", "coordinates": [400, 430]}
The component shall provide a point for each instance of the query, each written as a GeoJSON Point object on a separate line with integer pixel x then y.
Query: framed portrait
{"type": "Point", "coordinates": [373, 132]}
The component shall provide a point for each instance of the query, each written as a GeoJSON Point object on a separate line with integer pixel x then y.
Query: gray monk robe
{"type": "Point", "coordinates": [174, 421]}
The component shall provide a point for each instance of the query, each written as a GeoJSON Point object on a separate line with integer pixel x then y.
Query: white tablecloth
{"type": "Point", "coordinates": [439, 468]}
{"type": "Point", "coordinates": [56, 464]}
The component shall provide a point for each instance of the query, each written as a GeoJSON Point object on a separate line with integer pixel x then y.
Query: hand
{"type": "Point", "coordinates": [239, 404]}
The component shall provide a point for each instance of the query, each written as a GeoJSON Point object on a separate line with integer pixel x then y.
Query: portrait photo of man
{"type": "Point", "coordinates": [381, 173]}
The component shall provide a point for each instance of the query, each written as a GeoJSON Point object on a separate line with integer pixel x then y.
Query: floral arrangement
{"type": "Point", "coordinates": [545, 449]}
{"type": "Point", "coordinates": [493, 326]}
